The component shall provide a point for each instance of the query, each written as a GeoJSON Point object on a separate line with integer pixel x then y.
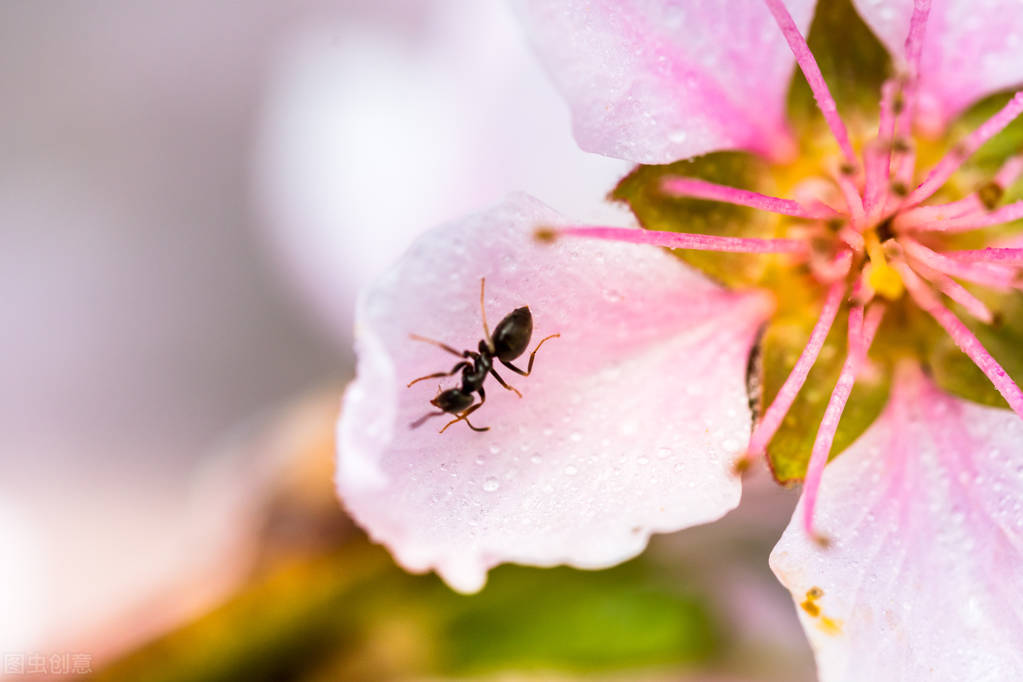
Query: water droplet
{"type": "Point", "coordinates": [642, 460]}
{"type": "Point", "coordinates": [575, 437]}
{"type": "Point", "coordinates": [494, 449]}
{"type": "Point", "coordinates": [571, 470]}
{"type": "Point", "coordinates": [479, 459]}
{"type": "Point", "coordinates": [536, 459]}
{"type": "Point", "coordinates": [663, 453]}
{"type": "Point", "coordinates": [612, 295]}
{"type": "Point", "coordinates": [491, 484]}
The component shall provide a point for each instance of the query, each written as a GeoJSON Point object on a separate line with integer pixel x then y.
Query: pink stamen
{"type": "Point", "coordinates": [681, 240]}
{"type": "Point", "coordinates": [1010, 171]}
{"type": "Point", "coordinates": [981, 273]}
{"type": "Point", "coordinates": [853, 201]}
{"type": "Point", "coordinates": [923, 217]}
{"type": "Point", "coordinates": [853, 238]}
{"type": "Point", "coordinates": [701, 189]}
{"type": "Point", "coordinates": [1009, 256]}
{"type": "Point", "coordinates": [861, 335]}
{"type": "Point", "coordinates": [951, 162]}
{"type": "Point", "coordinates": [808, 64]}
{"type": "Point", "coordinates": [948, 286]}
{"type": "Point", "coordinates": [915, 39]}
{"type": "Point", "coordinates": [904, 168]}
{"type": "Point", "coordinates": [963, 337]}
{"type": "Point", "coordinates": [834, 269]}
{"type": "Point", "coordinates": [973, 221]}
{"type": "Point", "coordinates": [771, 421]}
{"type": "Point", "coordinates": [970, 205]}
{"type": "Point", "coordinates": [878, 155]}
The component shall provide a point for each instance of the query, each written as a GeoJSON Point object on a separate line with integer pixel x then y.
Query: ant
{"type": "Point", "coordinates": [509, 341]}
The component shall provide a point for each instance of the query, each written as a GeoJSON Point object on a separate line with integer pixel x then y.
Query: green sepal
{"type": "Point", "coordinates": [957, 374]}
{"type": "Point", "coordinates": [995, 151]}
{"type": "Point", "coordinates": [641, 191]}
{"type": "Point", "coordinates": [853, 62]}
{"type": "Point", "coordinates": [783, 341]}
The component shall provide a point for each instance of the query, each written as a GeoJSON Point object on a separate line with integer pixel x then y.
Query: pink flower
{"type": "Point", "coordinates": [904, 555]}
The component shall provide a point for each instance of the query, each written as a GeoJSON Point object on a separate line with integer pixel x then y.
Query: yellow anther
{"type": "Point", "coordinates": [881, 277]}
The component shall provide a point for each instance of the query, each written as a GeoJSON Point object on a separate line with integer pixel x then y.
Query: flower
{"type": "Point", "coordinates": [636, 419]}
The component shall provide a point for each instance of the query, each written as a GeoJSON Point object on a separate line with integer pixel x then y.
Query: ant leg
{"type": "Point", "coordinates": [529, 367]}
{"type": "Point", "coordinates": [440, 374]}
{"type": "Point", "coordinates": [419, 422]}
{"type": "Point", "coordinates": [483, 312]}
{"type": "Point", "coordinates": [501, 381]}
{"type": "Point", "coordinates": [459, 353]}
{"type": "Point", "coordinates": [464, 416]}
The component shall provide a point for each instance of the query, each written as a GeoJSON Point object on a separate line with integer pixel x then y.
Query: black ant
{"type": "Point", "coordinates": [509, 341]}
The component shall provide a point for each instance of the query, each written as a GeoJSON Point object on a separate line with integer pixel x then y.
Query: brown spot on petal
{"type": "Point", "coordinates": [814, 593]}
{"type": "Point", "coordinates": [811, 608]}
{"type": "Point", "coordinates": [742, 465]}
{"type": "Point", "coordinates": [830, 626]}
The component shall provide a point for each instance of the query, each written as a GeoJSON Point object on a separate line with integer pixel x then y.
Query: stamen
{"type": "Point", "coordinates": [861, 335]}
{"type": "Point", "coordinates": [902, 174]}
{"type": "Point", "coordinates": [1010, 171]}
{"type": "Point", "coordinates": [701, 189]}
{"type": "Point", "coordinates": [948, 286]}
{"type": "Point", "coordinates": [834, 269]}
{"type": "Point", "coordinates": [681, 240]}
{"type": "Point", "coordinates": [922, 217]}
{"type": "Point", "coordinates": [963, 337]}
{"type": "Point", "coordinates": [973, 221]}
{"type": "Point", "coordinates": [808, 65]}
{"type": "Point", "coordinates": [962, 151]}
{"type": "Point", "coordinates": [877, 156]}
{"type": "Point", "coordinates": [1009, 256]}
{"type": "Point", "coordinates": [853, 238]}
{"type": "Point", "coordinates": [771, 421]}
{"type": "Point", "coordinates": [853, 201]}
{"type": "Point", "coordinates": [979, 202]}
{"type": "Point", "coordinates": [980, 273]}
{"type": "Point", "coordinates": [915, 39]}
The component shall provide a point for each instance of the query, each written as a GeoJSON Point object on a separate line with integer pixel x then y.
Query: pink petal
{"type": "Point", "coordinates": [657, 81]}
{"type": "Point", "coordinates": [970, 49]}
{"type": "Point", "coordinates": [629, 424]}
{"type": "Point", "coordinates": [922, 579]}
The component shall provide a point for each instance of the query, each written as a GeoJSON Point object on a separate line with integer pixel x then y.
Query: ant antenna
{"type": "Point", "coordinates": [483, 310]}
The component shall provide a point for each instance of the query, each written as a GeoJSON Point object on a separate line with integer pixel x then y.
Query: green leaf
{"type": "Point", "coordinates": [562, 618]}
{"type": "Point", "coordinates": [354, 614]}
{"type": "Point", "coordinates": [656, 211]}
{"type": "Point", "coordinates": [783, 341]}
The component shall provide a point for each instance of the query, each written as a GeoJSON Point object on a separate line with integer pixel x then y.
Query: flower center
{"type": "Point", "coordinates": [871, 238]}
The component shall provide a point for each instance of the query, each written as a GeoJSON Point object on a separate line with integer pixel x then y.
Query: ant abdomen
{"type": "Point", "coordinates": [512, 334]}
{"type": "Point", "coordinates": [452, 400]}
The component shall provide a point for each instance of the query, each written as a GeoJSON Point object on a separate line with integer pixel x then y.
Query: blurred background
{"type": "Point", "coordinates": [191, 193]}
